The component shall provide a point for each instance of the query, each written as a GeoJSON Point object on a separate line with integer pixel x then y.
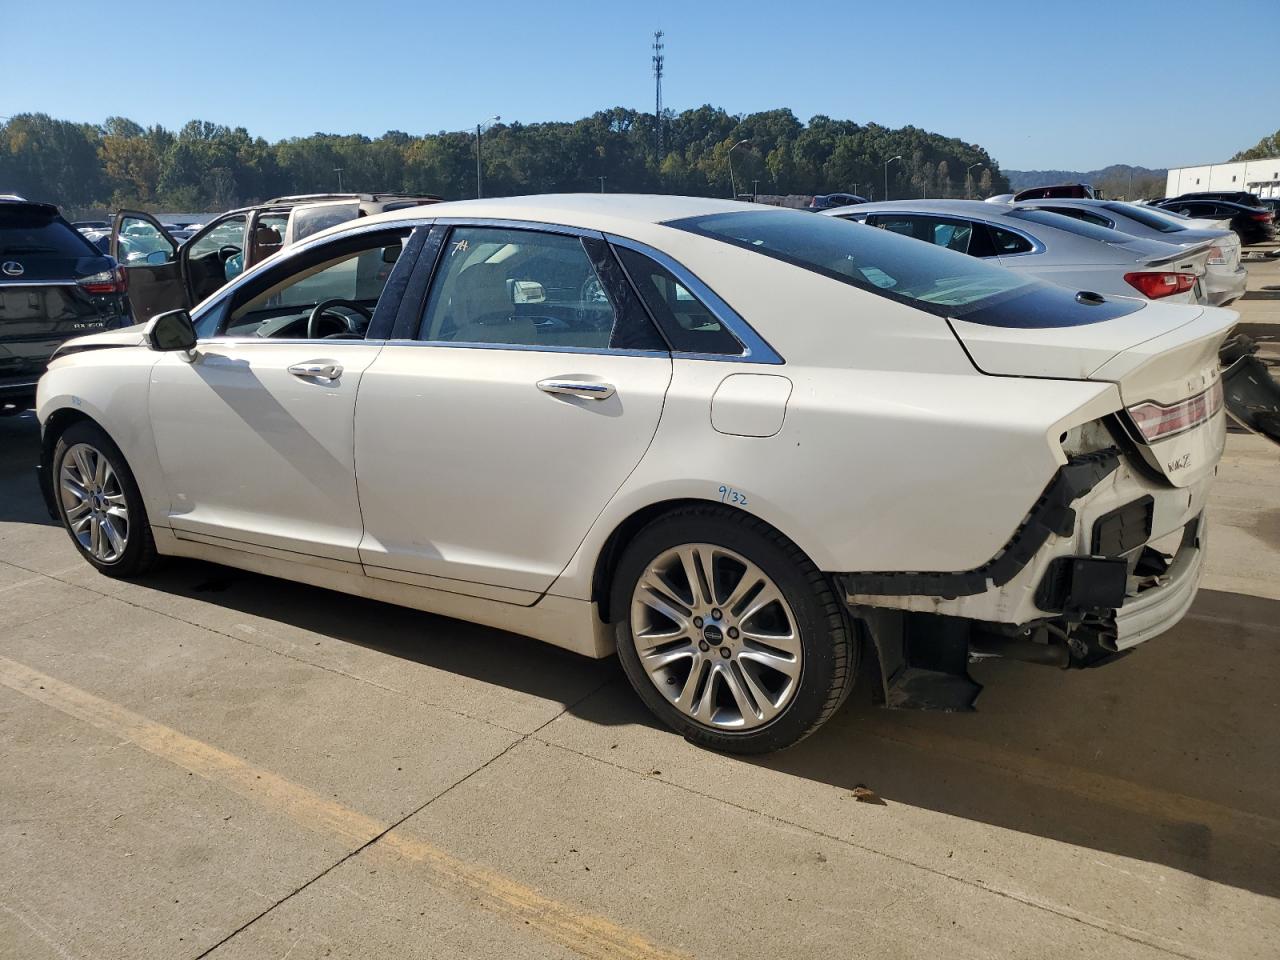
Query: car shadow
{"type": "Point", "coordinates": [1166, 756]}
{"type": "Point", "coordinates": [20, 499]}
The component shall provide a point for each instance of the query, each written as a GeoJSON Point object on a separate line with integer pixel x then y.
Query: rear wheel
{"type": "Point", "coordinates": [729, 633]}
{"type": "Point", "coordinates": [99, 502]}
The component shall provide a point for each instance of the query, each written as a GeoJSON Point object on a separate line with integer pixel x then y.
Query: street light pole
{"type": "Point", "coordinates": [479, 128]}
{"type": "Point", "coordinates": [733, 183]}
{"type": "Point", "coordinates": [968, 181]}
{"type": "Point", "coordinates": [338, 171]}
{"type": "Point", "coordinates": [602, 180]}
{"type": "Point", "coordinates": [886, 174]}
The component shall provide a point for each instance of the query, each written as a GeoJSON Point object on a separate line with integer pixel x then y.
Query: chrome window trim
{"type": "Point", "coordinates": [302, 246]}
{"type": "Point", "coordinates": [10, 284]}
{"type": "Point", "coordinates": [528, 348]}
{"type": "Point", "coordinates": [754, 347]}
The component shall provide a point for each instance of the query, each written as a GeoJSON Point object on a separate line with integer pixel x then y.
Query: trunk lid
{"type": "Point", "coordinates": [1158, 356]}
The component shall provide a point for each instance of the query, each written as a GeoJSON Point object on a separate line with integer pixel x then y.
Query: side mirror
{"type": "Point", "coordinates": [391, 254]}
{"type": "Point", "coordinates": [171, 332]}
{"type": "Point", "coordinates": [528, 291]}
{"type": "Point", "coordinates": [157, 257]}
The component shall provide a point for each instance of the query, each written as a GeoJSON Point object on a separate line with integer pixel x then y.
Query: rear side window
{"type": "Point", "coordinates": [28, 231]}
{"type": "Point", "coordinates": [1086, 216]}
{"type": "Point", "coordinates": [689, 325]}
{"type": "Point", "coordinates": [1008, 243]}
{"type": "Point", "coordinates": [1145, 217]}
{"type": "Point", "coordinates": [1078, 227]}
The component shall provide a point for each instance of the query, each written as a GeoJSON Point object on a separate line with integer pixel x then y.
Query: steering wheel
{"type": "Point", "coordinates": [324, 306]}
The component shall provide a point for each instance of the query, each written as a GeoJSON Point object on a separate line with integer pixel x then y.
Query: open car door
{"type": "Point", "coordinates": [150, 259]}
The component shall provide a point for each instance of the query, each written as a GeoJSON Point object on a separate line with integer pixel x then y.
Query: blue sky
{"type": "Point", "coordinates": [1062, 85]}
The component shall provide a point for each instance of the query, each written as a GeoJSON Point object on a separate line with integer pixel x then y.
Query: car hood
{"type": "Point", "coordinates": [134, 336]}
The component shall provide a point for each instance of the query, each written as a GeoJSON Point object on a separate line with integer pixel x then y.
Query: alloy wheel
{"type": "Point", "coordinates": [94, 503]}
{"type": "Point", "coordinates": [716, 636]}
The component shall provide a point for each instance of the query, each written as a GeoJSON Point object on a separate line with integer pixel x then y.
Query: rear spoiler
{"type": "Point", "coordinates": [1184, 253]}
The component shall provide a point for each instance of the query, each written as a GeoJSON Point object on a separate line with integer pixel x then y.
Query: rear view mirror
{"type": "Point", "coordinates": [172, 331]}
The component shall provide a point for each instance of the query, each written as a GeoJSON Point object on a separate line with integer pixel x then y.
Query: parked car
{"type": "Point", "coordinates": [1224, 280]}
{"type": "Point", "coordinates": [166, 273]}
{"type": "Point", "coordinates": [1243, 197]}
{"type": "Point", "coordinates": [54, 285]}
{"type": "Point", "coordinates": [825, 201]}
{"type": "Point", "coordinates": [1064, 191]}
{"type": "Point", "coordinates": [746, 446]}
{"type": "Point", "coordinates": [1046, 245]}
{"type": "Point", "coordinates": [1251, 224]}
{"type": "Point", "coordinates": [83, 225]}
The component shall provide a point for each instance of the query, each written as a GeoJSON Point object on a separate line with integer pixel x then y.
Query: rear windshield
{"type": "Point", "coordinates": [1145, 217]}
{"type": "Point", "coordinates": [1070, 225]}
{"type": "Point", "coordinates": [925, 276]}
{"type": "Point", "coordinates": [35, 232]}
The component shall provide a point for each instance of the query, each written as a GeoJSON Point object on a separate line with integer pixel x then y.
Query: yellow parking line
{"type": "Point", "coordinates": [583, 933]}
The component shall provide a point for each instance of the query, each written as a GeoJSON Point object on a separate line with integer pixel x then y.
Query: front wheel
{"type": "Point", "coordinates": [729, 633]}
{"type": "Point", "coordinates": [99, 502]}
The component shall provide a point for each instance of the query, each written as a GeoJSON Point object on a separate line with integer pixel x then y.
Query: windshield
{"type": "Point", "coordinates": [932, 278]}
{"type": "Point", "coordinates": [1146, 217]}
{"type": "Point", "coordinates": [1070, 225]}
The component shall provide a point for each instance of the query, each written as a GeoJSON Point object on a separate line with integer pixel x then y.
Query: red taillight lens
{"type": "Point", "coordinates": [1153, 286]}
{"type": "Point", "coordinates": [114, 280]}
{"type": "Point", "coordinates": [1156, 422]}
{"type": "Point", "coordinates": [1263, 217]}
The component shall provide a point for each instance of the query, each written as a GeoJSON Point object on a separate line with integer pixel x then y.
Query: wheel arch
{"type": "Point", "coordinates": [624, 532]}
{"type": "Point", "coordinates": [54, 426]}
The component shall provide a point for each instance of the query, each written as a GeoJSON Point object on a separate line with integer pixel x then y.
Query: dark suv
{"type": "Point", "coordinates": [54, 285]}
{"type": "Point", "coordinates": [167, 275]}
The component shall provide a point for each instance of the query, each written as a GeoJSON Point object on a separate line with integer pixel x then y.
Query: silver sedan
{"type": "Point", "coordinates": [1225, 280]}
{"type": "Point", "coordinates": [1049, 246]}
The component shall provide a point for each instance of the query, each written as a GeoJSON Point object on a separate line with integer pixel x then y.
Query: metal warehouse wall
{"type": "Point", "coordinates": [1257, 176]}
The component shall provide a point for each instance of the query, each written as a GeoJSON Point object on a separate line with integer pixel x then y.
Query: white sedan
{"type": "Point", "coordinates": [749, 448]}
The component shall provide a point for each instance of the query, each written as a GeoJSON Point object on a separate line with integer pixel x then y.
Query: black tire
{"type": "Point", "coordinates": [139, 554]}
{"type": "Point", "coordinates": [829, 645]}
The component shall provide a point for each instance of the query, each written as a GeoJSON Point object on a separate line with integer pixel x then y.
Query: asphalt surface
{"type": "Point", "coordinates": [213, 763]}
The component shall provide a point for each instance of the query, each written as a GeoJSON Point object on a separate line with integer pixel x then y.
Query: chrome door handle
{"type": "Point", "coordinates": [577, 388]}
{"type": "Point", "coordinates": [317, 371]}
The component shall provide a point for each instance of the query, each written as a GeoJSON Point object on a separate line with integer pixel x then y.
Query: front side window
{"type": "Point", "coordinates": [526, 288]}
{"type": "Point", "coordinates": [329, 293]}
{"type": "Point", "coordinates": [1078, 227]}
{"type": "Point", "coordinates": [140, 241]}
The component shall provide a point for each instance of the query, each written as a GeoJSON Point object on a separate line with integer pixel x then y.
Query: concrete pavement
{"type": "Point", "coordinates": [209, 763]}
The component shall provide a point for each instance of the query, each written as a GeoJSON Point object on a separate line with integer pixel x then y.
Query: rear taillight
{"type": "Point", "coordinates": [1217, 256]}
{"type": "Point", "coordinates": [1262, 217]}
{"type": "Point", "coordinates": [1156, 422]}
{"type": "Point", "coordinates": [1156, 285]}
{"type": "Point", "coordinates": [114, 280]}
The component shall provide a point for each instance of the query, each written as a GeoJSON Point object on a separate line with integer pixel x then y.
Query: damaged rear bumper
{"type": "Point", "coordinates": [1108, 558]}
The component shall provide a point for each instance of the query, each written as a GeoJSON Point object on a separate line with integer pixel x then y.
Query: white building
{"type": "Point", "coordinates": [1261, 177]}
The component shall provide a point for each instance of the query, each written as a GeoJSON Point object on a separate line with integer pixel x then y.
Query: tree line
{"type": "Point", "coordinates": [208, 167]}
{"type": "Point", "coordinates": [1264, 149]}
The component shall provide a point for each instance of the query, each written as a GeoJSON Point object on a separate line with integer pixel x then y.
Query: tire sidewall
{"type": "Point", "coordinates": [135, 550]}
{"type": "Point", "coordinates": [741, 535]}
